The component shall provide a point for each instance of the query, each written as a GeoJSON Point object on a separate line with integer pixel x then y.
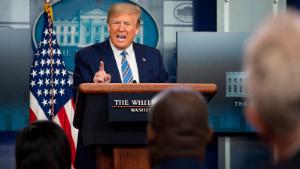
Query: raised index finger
{"type": "Point", "coordinates": [101, 66]}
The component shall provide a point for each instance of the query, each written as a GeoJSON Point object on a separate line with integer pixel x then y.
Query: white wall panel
{"type": "Point", "coordinates": [245, 15]}
{"type": "Point", "coordinates": [15, 13]}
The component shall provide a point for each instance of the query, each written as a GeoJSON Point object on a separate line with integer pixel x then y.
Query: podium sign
{"type": "Point", "coordinates": [130, 107]}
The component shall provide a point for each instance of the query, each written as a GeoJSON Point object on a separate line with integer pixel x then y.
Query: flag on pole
{"type": "Point", "coordinates": [50, 87]}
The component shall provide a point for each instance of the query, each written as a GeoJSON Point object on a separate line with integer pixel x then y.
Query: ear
{"type": "Point", "coordinates": [137, 30]}
{"type": "Point", "coordinates": [209, 135]}
{"type": "Point", "coordinates": [256, 121]}
{"type": "Point", "coordinates": [108, 27]}
{"type": "Point", "coordinates": [252, 118]}
{"type": "Point", "coordinates": [151, 134]}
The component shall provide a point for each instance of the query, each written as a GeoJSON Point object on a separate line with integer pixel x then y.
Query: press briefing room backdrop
{"type": "Point", "coordinates": [206, 36]}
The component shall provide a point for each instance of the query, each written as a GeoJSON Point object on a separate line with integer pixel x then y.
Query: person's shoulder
{"type": "Point", "coordinates": [292, 163]}
{"type": "Point", "coordinates": [92, 51]}
{"type": "Point", "coordinates": [91, 48]}
{"type": "Point", "coordinates": [144, 47]}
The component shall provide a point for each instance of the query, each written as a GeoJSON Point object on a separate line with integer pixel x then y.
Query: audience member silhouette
{"type": "Point", "coordinates": [178, 130]}
{"type": "Point", "coordinates": [42, 145]}
{"type": "Point", "coordinates": [272, 64]}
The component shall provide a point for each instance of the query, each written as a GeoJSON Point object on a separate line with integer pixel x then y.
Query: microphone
{"type": "Point", "coordinates": [134, 81]}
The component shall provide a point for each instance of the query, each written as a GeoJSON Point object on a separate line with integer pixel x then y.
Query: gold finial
{"type": "Point", "coordinates": [48, 9]}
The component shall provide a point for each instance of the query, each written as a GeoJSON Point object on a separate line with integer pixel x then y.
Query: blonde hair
{"type": "Point", "coordinates": [125, 8]}
{"type": "Point", "coordinates": [273, 67]}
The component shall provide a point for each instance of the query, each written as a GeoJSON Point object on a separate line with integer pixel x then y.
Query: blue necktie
{"type": "Point", "coordinates": [126, 71]}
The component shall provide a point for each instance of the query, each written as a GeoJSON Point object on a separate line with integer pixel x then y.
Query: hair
{"type": "Point", "coordinates": [42, 145]}
{"type": "Point", "coordinates": [179, 118]}
{"type": "Point", "coordinates": [124, 8]}
{"type": "Point", "coordinates": [273, 67]}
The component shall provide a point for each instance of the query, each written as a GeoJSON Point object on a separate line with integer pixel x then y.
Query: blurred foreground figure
{"type": "Point", "coordinates": [178, 130]}
{"type": "Point", "coordinates": [42, 145]}
{"type": "Point", "coordinates": [272, 64]}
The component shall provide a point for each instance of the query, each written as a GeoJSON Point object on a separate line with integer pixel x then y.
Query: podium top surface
{"type": "Point", "coordinates": [98, 88]}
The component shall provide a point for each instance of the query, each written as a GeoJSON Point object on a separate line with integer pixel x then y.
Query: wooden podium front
{"type": "Point", "coordinates": [121, 143]}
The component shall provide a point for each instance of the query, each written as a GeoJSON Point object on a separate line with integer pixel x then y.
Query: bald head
{"type": "Point", "coordinates": [179, 121]}
{"type": "Point", "coordinates": [178, 109]}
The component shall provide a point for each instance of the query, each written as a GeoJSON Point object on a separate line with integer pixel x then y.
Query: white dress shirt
{"type": "Point", "coordinates": [130, 58]}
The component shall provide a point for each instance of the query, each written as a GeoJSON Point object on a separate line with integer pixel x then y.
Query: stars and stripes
{"type": "Point", "coordinates": [50, 86]}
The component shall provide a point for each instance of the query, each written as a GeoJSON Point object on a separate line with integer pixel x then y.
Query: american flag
{"type": "Point", "coordinates": [50, 87]}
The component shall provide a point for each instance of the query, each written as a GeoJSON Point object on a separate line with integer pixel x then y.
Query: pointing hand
{"type": "Point", "coordinates": [101, 76]}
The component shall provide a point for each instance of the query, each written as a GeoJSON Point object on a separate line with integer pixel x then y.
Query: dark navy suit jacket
{"type": "Point", "coordinates": [292, 163]}
{"type": "Point", "coordinates": [87, 62]}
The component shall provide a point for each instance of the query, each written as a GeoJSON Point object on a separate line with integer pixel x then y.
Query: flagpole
{"type": "Point", "coordinates": [51, 95]}
{"type": "Point", "coordinates": [48, 10]}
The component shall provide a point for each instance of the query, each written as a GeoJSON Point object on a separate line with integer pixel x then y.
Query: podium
{"type": "Point", "coordinates": [112, 126]}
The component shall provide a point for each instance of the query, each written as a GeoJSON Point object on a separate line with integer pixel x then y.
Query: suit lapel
{"type": "Point", "coordinates": [110, 63]}
{"type": "Point", "coordinates": [141, 63]}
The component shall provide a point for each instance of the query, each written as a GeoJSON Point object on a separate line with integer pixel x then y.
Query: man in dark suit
{"type": "Point", "coordinates": [90, 65]}
{"type": "Point", "coordinates": [117, 60]}
{"type": "Point", "coordinates": [273, 71]}
{"type": "Point", "coordinates": [178, 130]}
{"type": "Point", "coordinates": [145, 62]}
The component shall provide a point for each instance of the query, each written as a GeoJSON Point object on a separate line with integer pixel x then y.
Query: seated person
{"type": "Point", "coordinates": [42, 145]}
{"type": "Point", "coordinates": [178, 130]}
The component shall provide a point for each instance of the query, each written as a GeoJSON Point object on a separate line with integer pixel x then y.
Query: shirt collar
{"type": "Point", "coordinates": [117, 52]}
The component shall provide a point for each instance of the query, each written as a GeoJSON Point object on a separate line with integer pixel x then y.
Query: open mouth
{"type": "Point", "coordinates": [121, 37]}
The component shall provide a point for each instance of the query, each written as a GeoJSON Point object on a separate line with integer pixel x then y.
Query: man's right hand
{"type": "Point", "coordinates": [101, 76]}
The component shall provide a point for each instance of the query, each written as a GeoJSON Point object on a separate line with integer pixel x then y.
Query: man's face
{"type": "Point", "coordinates": [122, 29]}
